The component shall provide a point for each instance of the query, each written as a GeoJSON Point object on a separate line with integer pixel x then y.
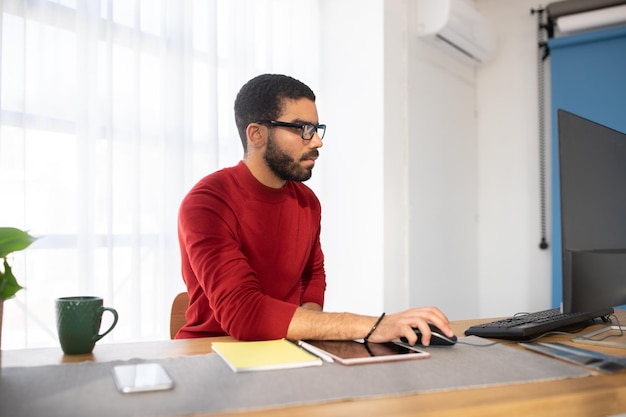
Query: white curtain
{"type": "Point", "coordinates": [110, 111]}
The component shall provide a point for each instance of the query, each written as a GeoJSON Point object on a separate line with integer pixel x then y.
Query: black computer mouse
{"type": "Point", "coordinates": [437, 337]}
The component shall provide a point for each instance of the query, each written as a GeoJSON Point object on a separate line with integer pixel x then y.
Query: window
{"type": "Point", "coordinates": [110, 111]}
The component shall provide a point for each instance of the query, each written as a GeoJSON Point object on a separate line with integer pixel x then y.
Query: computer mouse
{"type": "Point", "coordinates": [437, 337]}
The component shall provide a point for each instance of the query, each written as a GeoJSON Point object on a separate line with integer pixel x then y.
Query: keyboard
{"type": "Point", "coordinates": [531, 325]}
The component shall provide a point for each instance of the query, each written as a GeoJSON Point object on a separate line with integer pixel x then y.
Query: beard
{"type": "Point", "coordinates": [283, 165]}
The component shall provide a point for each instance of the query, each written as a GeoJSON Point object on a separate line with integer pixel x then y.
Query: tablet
{"type": "Point", "coordinates": [353, 352]}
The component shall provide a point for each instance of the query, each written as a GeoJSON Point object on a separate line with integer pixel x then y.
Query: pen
{"type": "Point", "coordinates": [317, 352]}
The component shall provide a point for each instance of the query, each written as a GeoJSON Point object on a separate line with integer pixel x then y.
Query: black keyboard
{"type": "Point", "coordinates": [528, 326]}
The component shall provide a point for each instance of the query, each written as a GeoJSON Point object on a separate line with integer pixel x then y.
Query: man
{"type": "Point", "coordinates": [250, 234]}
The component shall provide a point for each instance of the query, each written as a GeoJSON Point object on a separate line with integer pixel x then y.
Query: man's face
{"type": "Point", "coordinates": [289, 156]}
{"type": "Point", "coordinates": [286, 167]}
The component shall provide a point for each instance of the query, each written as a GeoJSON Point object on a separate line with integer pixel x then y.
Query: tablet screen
{"type": "Point", "coordinates": [352, 352]}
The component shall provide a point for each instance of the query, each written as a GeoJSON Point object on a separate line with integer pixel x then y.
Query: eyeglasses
{"type": "Point", "coordinates": [307, 130]}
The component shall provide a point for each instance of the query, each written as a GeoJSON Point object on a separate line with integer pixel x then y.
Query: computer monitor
{"type": "Point", "coordinates": [592, 168]}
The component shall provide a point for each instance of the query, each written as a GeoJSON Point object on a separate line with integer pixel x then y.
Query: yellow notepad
{"type": "Point", "coordinates": [264, 355]}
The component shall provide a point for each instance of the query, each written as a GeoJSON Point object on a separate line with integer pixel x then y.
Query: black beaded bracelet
{"type": "Point", "coordinates": [374, 327]}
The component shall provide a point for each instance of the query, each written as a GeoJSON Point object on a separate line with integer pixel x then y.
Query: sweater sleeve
{"type": "Point", "coordinates": [314, 277]}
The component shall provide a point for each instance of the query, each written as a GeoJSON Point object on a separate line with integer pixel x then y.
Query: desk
{"type": "Point", "coordinates": [601, 395]}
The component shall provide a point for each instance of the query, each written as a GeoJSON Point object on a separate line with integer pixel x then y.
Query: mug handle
{"type": "Point", "coordinates": [114, 312]}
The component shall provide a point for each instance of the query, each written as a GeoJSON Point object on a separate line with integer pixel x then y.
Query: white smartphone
{"type": "Point", "coordinates": [141, 377]}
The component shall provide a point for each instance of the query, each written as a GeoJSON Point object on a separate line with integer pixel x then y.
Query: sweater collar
{"type": "Point", "coordinates": [260, 190]}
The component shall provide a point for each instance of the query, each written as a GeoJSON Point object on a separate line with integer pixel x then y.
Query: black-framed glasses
{"type": "Point", "coordinates": [307, 130]}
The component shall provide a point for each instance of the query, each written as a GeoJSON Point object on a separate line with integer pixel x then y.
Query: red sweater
{"type": "Point", "coordinates": [250, 255]}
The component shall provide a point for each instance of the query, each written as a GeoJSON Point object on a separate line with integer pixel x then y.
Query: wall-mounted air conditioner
{"type": "Point", "coordinates": [456, 26]}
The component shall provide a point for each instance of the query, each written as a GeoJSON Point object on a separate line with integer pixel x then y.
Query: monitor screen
{"type": "Point", "coordinates": [592, 168]}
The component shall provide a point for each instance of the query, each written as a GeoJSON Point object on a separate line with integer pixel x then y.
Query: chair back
{"type": "Point", "coordinates": [177, 316]}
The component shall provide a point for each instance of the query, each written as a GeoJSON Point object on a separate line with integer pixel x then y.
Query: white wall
{"type": "Point", "coordinates": [429, 180]}
{"type": "Point", "coordinates": [350, 167]}
{"type": "Point", "coordinates": [443, 193]}
{"type": "Point", "coordinates": [475, 220]}
{"type": "Point", "coordinates": [395, 157]}
{"type": "Point", "coordinates": [515, 275]}
{"type": "Point", "coordinates": [477, 255]}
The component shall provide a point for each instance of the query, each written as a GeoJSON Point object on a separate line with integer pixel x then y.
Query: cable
{"type": "Point", "coordinates": [620, 332]}
{"type": "Point", "coordinates": [550, 334]}
{"type": "Point", "coordinates": [542, 54]}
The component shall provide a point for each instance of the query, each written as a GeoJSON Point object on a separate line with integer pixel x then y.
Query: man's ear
{"type": "Point", "coordinates": [256, 134]}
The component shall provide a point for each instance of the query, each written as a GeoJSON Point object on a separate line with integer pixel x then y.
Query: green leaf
{"type": "Point", "coordinates": [8, 283]}
{"type": "Point", "coordinates": [13, 240]}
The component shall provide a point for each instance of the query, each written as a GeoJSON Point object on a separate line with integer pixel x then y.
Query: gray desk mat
{"type": "Point", "coordinates": [205, 384]}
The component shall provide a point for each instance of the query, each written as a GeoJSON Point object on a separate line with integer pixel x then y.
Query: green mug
{"type": "Point", "coordinates": [78, 323]}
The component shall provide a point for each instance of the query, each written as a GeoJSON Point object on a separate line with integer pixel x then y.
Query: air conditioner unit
{"type": "Point", "coordinates": [456, 27]}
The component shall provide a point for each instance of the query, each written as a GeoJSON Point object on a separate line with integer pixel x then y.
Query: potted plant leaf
{"type": "Point", "coordinates": [11, 240]}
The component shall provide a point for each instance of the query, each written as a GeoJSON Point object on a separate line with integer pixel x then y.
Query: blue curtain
{"type": "Point", "coordinates": [588, 78]}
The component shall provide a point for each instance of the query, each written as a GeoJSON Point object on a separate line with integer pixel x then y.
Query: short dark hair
{"type": "Point", "coordinates": [262, 97]}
